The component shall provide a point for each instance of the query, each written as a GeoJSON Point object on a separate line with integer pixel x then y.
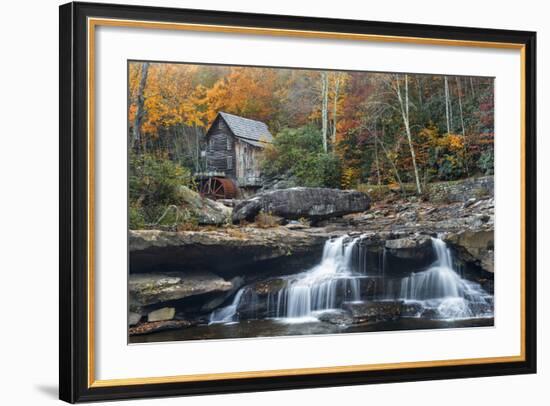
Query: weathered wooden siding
{"type": "Point", "coordinates": [232, 156]}
{"type": "Point", "coordinates": [218, 156]}
{"type": "Point", "coordinates": [248, 164]}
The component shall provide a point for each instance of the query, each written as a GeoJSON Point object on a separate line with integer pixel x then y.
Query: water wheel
{"type": "Point", "coordinates": [218, 188]}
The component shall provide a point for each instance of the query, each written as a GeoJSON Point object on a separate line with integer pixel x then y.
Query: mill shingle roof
{"type": "Point", "coordinates": [251, 131]}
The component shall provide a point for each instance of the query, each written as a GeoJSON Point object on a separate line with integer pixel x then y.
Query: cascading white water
{"type": "Point", "coordinates": [442, 289]}
{"type": "Point", "coordinates": [227, 314]}
{"type": "Point", "coordinates": [439, 281]}
{"type": "Point", "coordinates": [317, 289]}
{"type": "Point", "coordinates": [336, 280]}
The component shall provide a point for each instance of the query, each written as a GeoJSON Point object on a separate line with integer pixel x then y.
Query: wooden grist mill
{"type": "Point", "coordinates": [233, 148]}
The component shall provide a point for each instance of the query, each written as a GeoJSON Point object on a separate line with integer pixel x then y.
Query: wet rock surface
{"type": "Point", "coordinates": [338, 317]}
{"type": "Point", "coordinates": [157, 326]}
{"type": "Point", "coordinates": [393, 238]}
{"type": "Point", "coordinates": [374, 311]}
{"type": "Point", "coordinates": [151, 288]}
{"type": "Point", "coordinates": [407, 225]}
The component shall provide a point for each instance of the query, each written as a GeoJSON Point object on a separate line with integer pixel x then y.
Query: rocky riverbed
{"type": "Point", "coordinates": [178, 280]}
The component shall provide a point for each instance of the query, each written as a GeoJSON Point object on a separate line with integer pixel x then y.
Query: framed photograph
{"type": "Point", "coordinates": [256, 202]}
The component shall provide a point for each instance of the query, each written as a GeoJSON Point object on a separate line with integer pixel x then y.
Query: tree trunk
{"type": "Point", "coordinates": [447, 105]}
{"type": "Point", "coordinates": [140, 108]}
{"type": "Point", "coordinates": [377, 162]}
{"type": "Point", "coordinates": [419, 82]}
{"type": "Point", "coordinates": [335, 109]}
{"type": "Point", "coordinates": [324, 109]}
{"type": "Point", "coordinates": [405, 114]}
{"type": "Point", "coordinates": [376, 155]}
{"type": "Point", "coordinates": [390, 161]}
{"type": "Point", "coordinates": [459, 91]}
{"type": "Point", "coordinates": [197, 149]}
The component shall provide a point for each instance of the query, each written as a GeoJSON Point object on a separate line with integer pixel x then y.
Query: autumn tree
{"type": "Point", "coordinates": [140, 104]}
{"type": "Point", "coordinates": [380, 128]}
{"type": "Point", "coordinates": [404, 107]}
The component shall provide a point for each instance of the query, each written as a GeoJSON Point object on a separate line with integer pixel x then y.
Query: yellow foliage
{"type": "Point", "coordinates": [266, 220]}
{"type": "Point", "coordinates": [455, 142]}
{"type": "Point", "coordinates": [349, 177]}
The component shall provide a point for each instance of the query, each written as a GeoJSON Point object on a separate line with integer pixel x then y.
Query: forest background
{"type": "Point", "coordinates": [348, 130]}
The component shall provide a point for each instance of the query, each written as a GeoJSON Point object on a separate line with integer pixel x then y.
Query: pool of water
{"type": "Point", "coordinates": [276, 328]}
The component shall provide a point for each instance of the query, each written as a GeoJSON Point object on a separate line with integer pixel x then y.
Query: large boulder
{"type": "Point", "coordinates": [302, 202]}
{"type": "Point", "coordinates": [205, 211]}
{"type": "Point", "coordinates": [151, 288]}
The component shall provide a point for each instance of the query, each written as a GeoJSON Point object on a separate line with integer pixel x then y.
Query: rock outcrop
{"type": "Point", "coordinates": [462, 190]}
{"type": "Point", "coordinates": [226, 252]}
{"type": "Point", "coordinates": [302, 202]}
{"type": "Point", "coordinates": [178, 278]}
{"type": "Point", "coordinates": [410, 247]}
{"type": "Point", "coordinates": [374, 311]}
{"type": "Point", "coordinates": [204, 210]}
{"type": "Point", "coordinates": [156, 326]}
{"type": "Point", "coordinates": [151, 288]}
{"type": "Point", "coordinates": [475, 246]}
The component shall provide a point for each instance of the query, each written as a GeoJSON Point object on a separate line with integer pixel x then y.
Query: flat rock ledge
{"type": "Point", "coordinates": [156, 326]}
{"type": "Point", "coordinates": [151, 288]}
{"type": "Point", "coordinates": [226, 252]}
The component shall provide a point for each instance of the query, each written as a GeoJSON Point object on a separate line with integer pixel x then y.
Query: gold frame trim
{"type": "Point", "coordinates": [94, 22]}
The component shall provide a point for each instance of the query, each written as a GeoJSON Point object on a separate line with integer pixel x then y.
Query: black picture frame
{"type": "Point", "coordinates": [74, 200]}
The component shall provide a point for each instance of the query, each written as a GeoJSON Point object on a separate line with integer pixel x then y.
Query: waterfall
{"type": "Point", "coordinates": [317, 289]}
{"type": "Point", "coordinates": [438, 292]}
{"type": "Point", "coordinates": [441, 288]}
{"type": "Point", "coordinates": [227, 314]}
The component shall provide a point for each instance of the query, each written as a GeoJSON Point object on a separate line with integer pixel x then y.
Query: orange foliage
{"type": "Point", "coordinates": [246, 91]}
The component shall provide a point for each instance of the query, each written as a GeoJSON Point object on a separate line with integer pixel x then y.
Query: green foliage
{"type": "Point", "coordinates": [135, 216]}
{"type": "Point", "coordinates": [450, 168]}
{"type": "Point", "coordinates": [299, 152]}
{"type": "Point", "coordinates": [289, 146]}
{"type": "Point", "coordinates": [486, 162]}
{"type": "Point", "coordinates": [328, 170]}
{"type": "Point", "coordinates": [153, 185]}
{"type": "Point", "coordinates": [155, 180]}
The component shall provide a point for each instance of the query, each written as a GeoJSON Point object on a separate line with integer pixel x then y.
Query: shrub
{"type": "Point", "coordinates": [153, 191]}
{"type": "Point", "coordinates": [154, 180]}
{"type": "Point", "coordinates": [299, 152]}
{"type": "Point", "coordinates": [136, 216]}
{"type": "Point", "coordinates": [450, 167]}
{"type": "Point", "coordinates": [349, 178]}
{"type": "Point", "coordinates": [266, 220]}
{"type": "Point", "coordinates": [486, 162]}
